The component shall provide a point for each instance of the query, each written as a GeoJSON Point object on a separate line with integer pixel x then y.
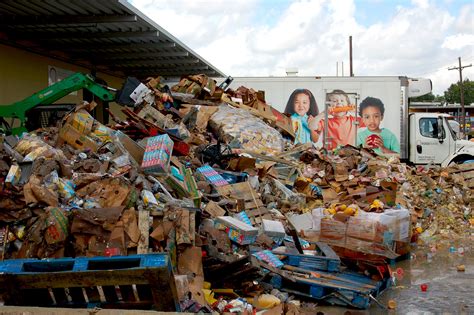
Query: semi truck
{"type": "Point", "coordinates": [423, 138]}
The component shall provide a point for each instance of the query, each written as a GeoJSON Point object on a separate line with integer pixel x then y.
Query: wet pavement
{"type": "Point", "coordinates": [448, 290]}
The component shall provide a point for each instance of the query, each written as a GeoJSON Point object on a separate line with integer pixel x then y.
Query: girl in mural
{"type": "Point", "coordinates": [341, 123]}
{"type": "Point", "coordinates": [303, 109]}
{"type": "Point", "coordinates": [382, 140]}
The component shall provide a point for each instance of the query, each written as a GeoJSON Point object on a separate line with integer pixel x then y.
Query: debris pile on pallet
{"type": "Point", "coordinates": [210, 180]}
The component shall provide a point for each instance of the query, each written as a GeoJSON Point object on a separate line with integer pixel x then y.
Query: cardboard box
{"type": "Point", "coordinates": [177, 186]}
{"type": "Point", "coordinates": [191, 186]}
{"type": "Point", "coordinates": [212, 176]}
{"type": "Point", "coordinates": [274, 229]}
{"type": "Point", "coordinates": [13, 176]}
{"type": "Point", "coordinates": [237, 230]}
{"type": "Point", "coordinates": [333, 232]}
{"type": "Point", "coordinates": [242, 216]}
{"type": "Point", "coordinates": [76, 139]}
{"type": "Point", "coordinates": [214, 209]}
{"type": "Point", "coordinates": [82, 121]}
{"type": "Point", "coordinates": [373, 227]}
{"type": "Point", "coordinates": [133, 148]}
{"type": "Point", "coordinates": [401, 232]}
{"type": "Point", "coordinates": [157, 156]}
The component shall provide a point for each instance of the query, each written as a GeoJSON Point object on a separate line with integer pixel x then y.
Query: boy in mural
{"type": "Point", "coordinates": [382, 140]}
{"type": "Point", "coordinates": [341, 124]}
{"type": "Point", "coordinates": [303, 109]}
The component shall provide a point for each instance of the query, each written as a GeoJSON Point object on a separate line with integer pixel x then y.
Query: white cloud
{"type": "Point", "coordinates": [242, 39]}
{"type": "Point", "coordinates": [458, 41]}
{"type": "Point", "coordinates": [465, 21]}
{"type": "Point", "coordinates": [423, 4]}
{"type": "Point", "coordinates": [294, 30]}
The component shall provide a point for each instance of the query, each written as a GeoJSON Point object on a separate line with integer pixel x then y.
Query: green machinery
{"type": "Point", "coordinates": [48, 96]}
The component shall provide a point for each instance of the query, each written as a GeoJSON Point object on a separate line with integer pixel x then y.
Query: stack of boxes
{"type": "Point", "coordinates": [157, 154]}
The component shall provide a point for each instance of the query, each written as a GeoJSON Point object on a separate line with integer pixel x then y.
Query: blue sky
{"type": "Point", "coordinates": [377, 11]}
{"type": "Point", "coordinates": [417, 38]}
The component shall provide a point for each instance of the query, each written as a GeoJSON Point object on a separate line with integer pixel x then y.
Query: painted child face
{"type": "Point", "coordinates": [338, 100]}
{"type": "Point", "coordinates": [301, 104]}
{"type": "Point", "coordinates": [371, 116]}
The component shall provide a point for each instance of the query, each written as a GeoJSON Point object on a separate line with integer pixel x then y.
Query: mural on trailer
{"type": "Point", "coordinates": [337, 119]}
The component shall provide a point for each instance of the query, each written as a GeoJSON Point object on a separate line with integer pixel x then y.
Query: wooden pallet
{"type": "Point", "coordinates": [125, 282]}
{"type": "Point", "coordinates": [244, 194]}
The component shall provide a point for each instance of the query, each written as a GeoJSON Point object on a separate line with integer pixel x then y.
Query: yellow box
{"type": "Point", "coordinates": [13, 176]}
{"type": "Point", "coordinates": [76, 139]}
{"type": "Point", "coordinates": [82, 121]}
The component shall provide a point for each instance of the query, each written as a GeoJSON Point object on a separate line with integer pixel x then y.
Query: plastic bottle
{"type": "Point", "coordinates": [424, 287]}
{"type": "Point", "coordinates": [282, 296]}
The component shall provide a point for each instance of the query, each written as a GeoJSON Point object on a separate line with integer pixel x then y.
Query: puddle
{"type": "Point", "coordinates": [447, 290]}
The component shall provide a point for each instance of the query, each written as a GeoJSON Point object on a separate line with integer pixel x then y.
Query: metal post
{"type": "Point", "coordinates": [350, 57]}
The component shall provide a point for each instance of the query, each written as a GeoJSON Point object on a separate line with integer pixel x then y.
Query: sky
{"type": "Point", "coordinates": [414, 38]}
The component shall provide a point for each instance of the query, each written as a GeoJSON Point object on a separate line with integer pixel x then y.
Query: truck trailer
{"type": "Point", "coordinates": [422, 138]}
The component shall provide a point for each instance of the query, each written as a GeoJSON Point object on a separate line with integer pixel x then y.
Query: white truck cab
{"type": "Point", "coordinates": [432, 140]}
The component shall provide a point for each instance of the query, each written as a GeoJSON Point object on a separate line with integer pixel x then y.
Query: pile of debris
{"type": "Point", "coordinates": [212, 178]}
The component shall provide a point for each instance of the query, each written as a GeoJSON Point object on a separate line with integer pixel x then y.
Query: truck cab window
{"type": "Point", "coordinates": [429, 127]}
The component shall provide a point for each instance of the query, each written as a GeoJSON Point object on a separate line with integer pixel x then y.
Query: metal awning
{"type": "Point", "coordinates": [109, 36]}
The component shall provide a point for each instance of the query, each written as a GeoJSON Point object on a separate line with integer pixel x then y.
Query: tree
{"type": "Point", "coordinates": [453, 95]}
{"type": "Point", "coordinates": [424, 98]}
{"type": "Point", "coordinates": [440, 99]}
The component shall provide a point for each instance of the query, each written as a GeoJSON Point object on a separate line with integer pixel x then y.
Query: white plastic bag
{"type": "Point", "coordinates": [243, 130]}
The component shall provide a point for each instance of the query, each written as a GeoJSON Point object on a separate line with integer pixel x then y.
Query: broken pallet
{"type": "Point", "coordinates": [247, 199]}
{"type": "Point", "coordinates": [126, 282]}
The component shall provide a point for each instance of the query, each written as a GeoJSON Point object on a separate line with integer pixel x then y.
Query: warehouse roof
{"type": "Point", "coordinates": [109, 36]}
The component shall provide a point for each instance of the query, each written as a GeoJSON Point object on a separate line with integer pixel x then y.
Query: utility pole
{"type": "Point", "coordinates": [463, 112]}
{"type": "Point", "coordinates": [351, 73]}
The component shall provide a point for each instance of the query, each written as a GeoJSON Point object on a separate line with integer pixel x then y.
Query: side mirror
{"type": "Point", "coordinates": [440, 130]}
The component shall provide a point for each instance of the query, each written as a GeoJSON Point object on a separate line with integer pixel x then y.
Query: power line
{"type": "Point", "coordinates": [436, 70]}
{"type": "Point", "coordinates": [442, 67]}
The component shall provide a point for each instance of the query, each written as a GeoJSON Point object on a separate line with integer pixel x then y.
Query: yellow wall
{"type": "Point", "coordinates": [23, 73]}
